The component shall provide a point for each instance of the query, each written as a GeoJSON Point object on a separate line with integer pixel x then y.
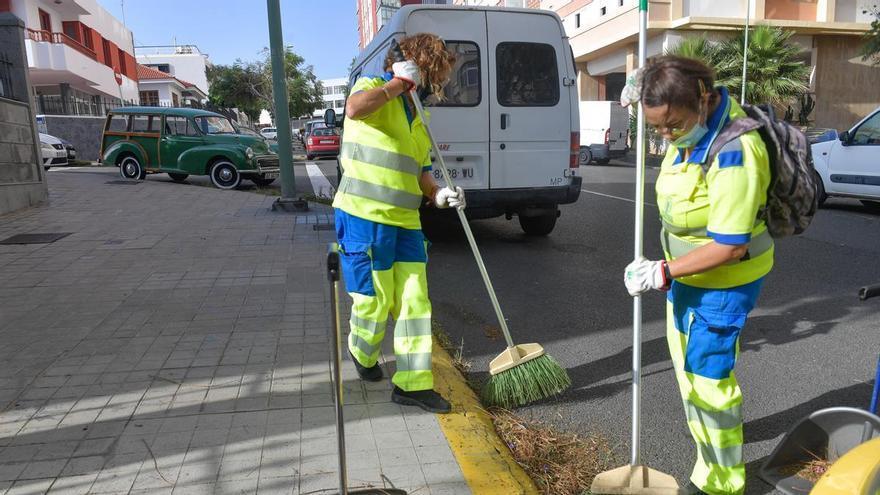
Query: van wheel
{"type": "Point", "coordinates": [585, 156]}
{"type": "Point", "coordinates": [178, 177]}
{"type": "Point", "coordinates": [130, 168]}
{"type": "Point", "coordinates": [820, 189]}
{"type": "Point", "coordinates": [538, 226]}
{"type": "Point", "coordinates": [224, 175]}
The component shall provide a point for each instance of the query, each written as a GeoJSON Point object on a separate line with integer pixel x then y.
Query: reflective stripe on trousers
{"type": "Point", "coordinates": [703, 327]}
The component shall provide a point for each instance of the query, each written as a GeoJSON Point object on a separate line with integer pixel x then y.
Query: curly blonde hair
{"type": "Point", "coordinates": [429, 52]}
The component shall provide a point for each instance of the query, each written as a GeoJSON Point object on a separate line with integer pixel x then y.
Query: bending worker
{"type": "Point", "coordinates": [385, 158]}
{"type": "Point", "coordinates": [717, 252]}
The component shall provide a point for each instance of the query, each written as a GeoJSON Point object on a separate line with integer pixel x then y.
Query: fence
{"type": "Point", "coordinates": [97, 106]}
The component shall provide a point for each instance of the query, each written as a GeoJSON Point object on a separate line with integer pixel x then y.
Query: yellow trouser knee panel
{"type": "Point", "coordinates": [713, 409]}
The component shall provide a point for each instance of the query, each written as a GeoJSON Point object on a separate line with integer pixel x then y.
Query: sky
{"type": "Point", "coordinates": [324, 32]}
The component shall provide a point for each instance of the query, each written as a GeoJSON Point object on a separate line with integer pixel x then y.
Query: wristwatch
{"type": "Point", "coordinates": [667, 276]}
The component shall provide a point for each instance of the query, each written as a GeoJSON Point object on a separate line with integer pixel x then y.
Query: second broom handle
{"type": "Point", "coordinates": [464, 223]}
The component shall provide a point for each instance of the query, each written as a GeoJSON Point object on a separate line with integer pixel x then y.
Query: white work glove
{"type": "Point", "coordinates": [642, 275]}
{"type": "Point", "coordinates": [448, 198]}
{"type": "Point", "coordinates": [407, 72]}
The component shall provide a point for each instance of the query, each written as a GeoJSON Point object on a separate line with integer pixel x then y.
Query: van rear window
{"type": "Point", "coordinates": [464, 88]}
{"type": "Point", "coordinates": [527, 74]}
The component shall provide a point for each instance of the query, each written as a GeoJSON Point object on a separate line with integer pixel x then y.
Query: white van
{"type": "Point", "coordinates": [604, 131]}
{"type": "Point", "coordinates": [508, 129]}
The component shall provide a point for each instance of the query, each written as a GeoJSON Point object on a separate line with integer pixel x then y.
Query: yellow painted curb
{"type": "Point", "coordinates": [485, 461]}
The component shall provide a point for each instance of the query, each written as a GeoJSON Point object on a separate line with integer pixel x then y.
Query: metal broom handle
{"type": "Point", "coordinates": [461, 216]}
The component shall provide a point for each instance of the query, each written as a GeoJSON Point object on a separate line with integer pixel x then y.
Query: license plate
{"type": "Point", "coordinates": [271, 175]}
{"type": "Point", "coordinates": [327, 142]}
{"type": "Point", "coordinates": [455, 173]}
{"type": "Point", "coordinates": [72, 154]}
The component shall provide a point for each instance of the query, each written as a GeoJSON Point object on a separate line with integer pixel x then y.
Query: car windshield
{"type": "Point", "coordinates": [327, 132]}
{"type": "Point", "coordinates": [215, 125]}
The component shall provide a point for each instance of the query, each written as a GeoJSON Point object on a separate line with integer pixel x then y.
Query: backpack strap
{"type": "Point", "coordinates": [731, 132]}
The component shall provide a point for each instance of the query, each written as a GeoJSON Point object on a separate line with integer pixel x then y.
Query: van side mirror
{"type": "Point", "coordinates": [330, 117]}
{"type": "Point", "coordinates": [845, 138]}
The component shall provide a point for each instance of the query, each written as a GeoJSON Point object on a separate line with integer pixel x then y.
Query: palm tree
{"type": "Point", "coordinates": [775, 73]}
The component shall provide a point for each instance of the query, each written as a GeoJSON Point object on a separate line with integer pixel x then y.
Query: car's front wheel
{"type": "Point", "coordinates": [130, 168]}
{"type": "Point", "coordinates": [224, 175]}
{"type": "Point", "coordinates": [585, 157]}
{"type": "Point", "coordinates": [540, 225]}
{"type": "Point", "coordinates": [262, 181]}
{"type": "Point", "coordinates": [178, 177]}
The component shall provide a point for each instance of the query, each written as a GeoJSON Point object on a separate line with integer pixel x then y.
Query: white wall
{"type": "Point", "coordinates": [165, 89]}
{"type": "Point", "coordinates": [109, 26]}
{"type": "Point", "coordinates": [714, 8]}
{"type": "Point", "coordinates": [851, 11]}
{"type": "Point", "coordinates": [188, 67]}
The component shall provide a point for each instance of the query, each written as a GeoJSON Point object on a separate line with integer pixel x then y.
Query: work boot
{"type": "Point", "coordinates": [371, 374]}
{"type": "Point", "coordinates": [426, 399]}
{"type": "Point", "coordinates": [692, 489]}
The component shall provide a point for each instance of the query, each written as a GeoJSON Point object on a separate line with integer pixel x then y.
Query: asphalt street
{"type": "Point", "coordinates": [810, 343]}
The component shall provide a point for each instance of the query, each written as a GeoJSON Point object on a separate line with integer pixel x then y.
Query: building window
{"type": "Point", "coordinates": [175, 100]}
{"type": "Point", "coordinates": [108, 58]}
{"type": "Point", "coordinates": [122, 61]}
{"type": "Point", "coordinates": [166, 68]}
{"type": "Point", "coordinates": [71, 29]}
{"type": "Point", "coordinates": [527, 74]}
{"type": "Point", "coordinates": [620, 3]}
{"type": "Point", "coordinates": [149, 98]}
{"type": "Point", "coordinates": [45, 21]}
{"type": "Point", "coordinates": [87, 37]}
{"type": "Point", "coordinates": [602, 11]}
{"type": "Point", "coordinates": [577, 20]}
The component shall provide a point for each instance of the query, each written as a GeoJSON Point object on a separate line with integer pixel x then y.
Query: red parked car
{"type": "Point", "coordinates": [322, 142]}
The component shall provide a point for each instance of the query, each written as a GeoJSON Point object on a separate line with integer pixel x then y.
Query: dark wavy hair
{"type": "Point", "coordinates": [677, 82]}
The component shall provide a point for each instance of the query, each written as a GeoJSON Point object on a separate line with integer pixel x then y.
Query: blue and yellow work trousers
{"type": "Point", "coordinates": [384, 271]}
{"type": "Point", "coordinates": [703, 329]}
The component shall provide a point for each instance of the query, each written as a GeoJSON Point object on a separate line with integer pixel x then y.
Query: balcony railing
{"type": "Point", "coordinates": [61, 38]}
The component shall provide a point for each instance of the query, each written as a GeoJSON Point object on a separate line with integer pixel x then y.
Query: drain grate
{"type": "Point", "coordinates": [35, 238]}
{"type": "Point", "coordinates": [123, 182]}
{"type": "Point", "coordinates": [323, 226]}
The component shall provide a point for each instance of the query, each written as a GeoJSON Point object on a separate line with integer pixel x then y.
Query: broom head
{"type": "Point", "coordinates": [523, 374]}
{"type": "Point", "coordinates": [634, 480]}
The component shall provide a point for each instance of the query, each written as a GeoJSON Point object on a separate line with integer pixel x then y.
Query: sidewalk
{"type": "Point", "coordinates": [177, 342]}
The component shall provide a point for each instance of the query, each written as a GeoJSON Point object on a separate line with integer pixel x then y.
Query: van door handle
{"type": "Point", "coordinates": [505, 119]}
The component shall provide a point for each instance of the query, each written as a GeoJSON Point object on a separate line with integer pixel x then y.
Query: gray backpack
{"type": "Point", "coordinates": [792, 197]}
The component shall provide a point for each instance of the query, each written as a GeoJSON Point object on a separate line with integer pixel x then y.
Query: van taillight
{"type": "Point", "coordinates": [607, 135]}
{"type": "Point", "coordinates": [574, 150]}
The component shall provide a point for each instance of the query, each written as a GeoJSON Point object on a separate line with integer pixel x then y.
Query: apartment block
{"type": "Point", "coordinates": [334, 95]}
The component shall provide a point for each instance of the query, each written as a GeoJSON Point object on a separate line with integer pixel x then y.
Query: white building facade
{"type": "Point", "coordinates": [185, 62]}
{"type": "Point", "coordinates": [80, 58]}
{"type": "Point", "coordinates": [334, 95]}
{"type": "Point", "coordinates": [159, 89]}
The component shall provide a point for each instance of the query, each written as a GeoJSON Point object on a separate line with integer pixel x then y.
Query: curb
{"type": "Point", "coordinates": [484, 459]}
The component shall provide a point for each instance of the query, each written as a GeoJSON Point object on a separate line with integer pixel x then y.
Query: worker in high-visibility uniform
{"type": "Point", "coordinates": [717, 252]}
{"type": "Point", "coordinates": [386, 164]}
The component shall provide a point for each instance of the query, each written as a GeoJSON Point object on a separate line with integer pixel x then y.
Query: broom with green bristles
{"type": "Point", "coordinates": [522, 373]}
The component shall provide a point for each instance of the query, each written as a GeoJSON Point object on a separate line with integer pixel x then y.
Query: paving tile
{"type": "Point", "coordinates": [43, 469]}
{"type": "Point", "coordinates": [73, 485]}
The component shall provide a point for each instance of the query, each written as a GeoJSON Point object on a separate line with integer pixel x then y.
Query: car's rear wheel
{"type": "Point", "coordinates": [178, 177]}
{"type": "Point", "coordinates": [130, 168]}
{"type": "Point", "coordinates": [310, 157]}
{"type": "Point", "coordinates": [262, 181]}
{"type": "Point", "coordinates": [585, 156]}
{"type": "Point", "coordinates": [539, 225]}
{"type": "Point", "coordinates": [224, 175]}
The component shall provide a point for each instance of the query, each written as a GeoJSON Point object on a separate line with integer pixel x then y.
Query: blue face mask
{"type": "Point", "coordinates": [691, 138]}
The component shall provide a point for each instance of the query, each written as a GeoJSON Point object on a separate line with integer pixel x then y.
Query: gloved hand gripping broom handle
{"type": "Point", "coordinates": [464, 223]}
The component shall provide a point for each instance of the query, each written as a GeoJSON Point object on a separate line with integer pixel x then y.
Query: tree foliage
{"type": "Point", "coordinates": [775, 72]}
{"type": "Point", "coordinates": [248, 85]}
{"type": "Point", "coordinates": [871, 49]}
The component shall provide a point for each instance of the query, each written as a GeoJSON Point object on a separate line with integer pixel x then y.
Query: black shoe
{"type": "Point", "coordinates": [371, 374]}
{"type": "Point", "coordinates": [426, 399]}
{"type": "Point", "coordinates": [692, 489]}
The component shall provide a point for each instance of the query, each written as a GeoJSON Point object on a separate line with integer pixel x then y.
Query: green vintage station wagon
{"type": "Point", "coordinates": [182, 142]}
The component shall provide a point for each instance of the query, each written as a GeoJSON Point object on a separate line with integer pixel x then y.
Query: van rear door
{"type": "Point", "coordinates": [529, 108]}
{"type": "Point", "coordinates": [459, 121]}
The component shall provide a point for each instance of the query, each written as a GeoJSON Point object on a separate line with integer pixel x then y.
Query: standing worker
{"type": "Point", "coordinates": [385, 158]}
{"type": "Point", "coordinates": [717, 249]}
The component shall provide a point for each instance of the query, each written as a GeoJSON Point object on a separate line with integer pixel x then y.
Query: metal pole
{"type": "Point", "coordinates": [333, 276]}
{"type": "Point", "coordinates": [635, 456]}
{"type": "Point", "coordinates": [279, 93]}
{"type": "Point", "coordinates": [742, 97]}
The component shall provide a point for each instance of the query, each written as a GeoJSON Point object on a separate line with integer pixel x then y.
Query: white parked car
{"type": "Point", "coordinates": [849, 164]}
{"type": "Point", "coordinates": [508, 128]}
{"type": "Point", "coordinates": [269, 133]}
{"type": "Point", "coordinates": [53, 150]}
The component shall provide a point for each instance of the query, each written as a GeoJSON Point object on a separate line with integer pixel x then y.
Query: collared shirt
{"type": "Point", "coordinates": [720, 204]}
